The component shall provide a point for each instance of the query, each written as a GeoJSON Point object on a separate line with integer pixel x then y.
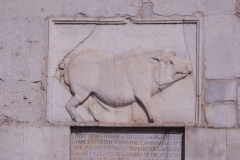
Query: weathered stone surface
{"type": "Point", "coordinates": [190, 7]}
{"type": "Point", "coordinates": [238, 115]}
{"type": "Point", "coordinates": [205, 144]}
{"type": "Point", "coordinates": [217, 91]}
{"type": "Point", "coordinates": [239, 96]}
{"type": "Point", "coordinates": [174, 7]}
{"type": "Point", "coordinates": [23, 47]}
{"type": "Point", "coordinates": [233, 144]}
{"type": "Point", "coordinates": [216, 7]}
{"type": "Point", "coordinates": [221, 115]}
{"type": "Point", "coordinates": [147, 10]}
{"type": "Point", "coordinates": [30, 8]}
{"type": "Point", "coordinates": [102, 8]}
{"type": "Point", "coordinates": [23, 101]}
{"type": "Point", "coordinates": [46, 143]}
{"type": "Point", "coordinates": [222, 48]}
{"type": "Point", "coordinates": [11, 140]}
{"type": "Point", "coordinates": [1, 102]}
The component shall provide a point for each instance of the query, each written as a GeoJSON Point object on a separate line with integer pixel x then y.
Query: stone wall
{"type": "Point", "coordinates": [25, 134]}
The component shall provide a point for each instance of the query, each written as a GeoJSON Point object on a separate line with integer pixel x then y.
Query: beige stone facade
{"type": "Point", "coordinates": [32, 32]}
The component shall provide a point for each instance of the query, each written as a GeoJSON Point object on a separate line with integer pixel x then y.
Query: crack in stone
{"type": "Point", "coordinates": [185, 40]}
{"type": "Point", "coordinates": [160, 142]}
{"type": "Point", "coordinates": [205, 118]}
{"type": "Point", "coordinates": [83, 14]}
{"type": "Point", "coordinates": [81, 42]}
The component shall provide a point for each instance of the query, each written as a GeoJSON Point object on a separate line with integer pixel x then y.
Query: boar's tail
{"type": "Point", "coordinates": [61, 71]}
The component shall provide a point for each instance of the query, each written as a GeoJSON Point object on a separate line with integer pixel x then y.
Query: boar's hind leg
{"type": "Point", "coordinates": [71, 107]}
{"type": "Point", "coordinates": [143, 95]}
{"type": "Point", "coordinates": [72, 103]}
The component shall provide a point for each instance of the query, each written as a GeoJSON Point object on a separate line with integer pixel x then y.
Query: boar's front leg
{"type": "Point", "coordinates": [143, 94]}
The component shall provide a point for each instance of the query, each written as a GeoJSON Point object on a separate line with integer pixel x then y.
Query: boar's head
{"type": "Point", "coordinates": [167, 69]}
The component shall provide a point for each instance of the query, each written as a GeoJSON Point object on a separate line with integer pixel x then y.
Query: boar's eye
{"type": "Point", "coordinates": [168, 62]}
{"type": "Point", "coordinates": [153, 60]}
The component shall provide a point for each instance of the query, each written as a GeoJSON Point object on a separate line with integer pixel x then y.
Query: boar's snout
{"type": "Point", "coordinates": [182, 70]}
{"type": "Point", "coordinates": [186, 69]}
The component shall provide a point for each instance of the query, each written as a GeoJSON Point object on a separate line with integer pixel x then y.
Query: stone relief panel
{"type": "Point", "coordinates": [122, 73]}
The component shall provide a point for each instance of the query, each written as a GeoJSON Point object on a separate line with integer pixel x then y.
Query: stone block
{"type": "Point", "coordinates": [23, 47]}
{"type": "Point", "coordinates": [46, 143]}
{"type": "Point", "coordinates": [233, 144]}
{"type": "Point", "coordinates": [190, 7]}
{"type": "Point", "coordinates": [239, 96]}
{"type": "Point", "coordinates": [216, 7]}
{"type": "Point", "coordinates": [217, 91]}
{"type": "Point", "coordinates": [222, 47]}
{"type": "Point", "coordinates": [23, 101]}
{"type": "Point", "coordinates": [174, 7]}
{"type": "Point", "coordinates": [1, 102]}
{"type": "Point", "coordinates": [147, 10]}
{"type": "Point", "coordinates": [205, 144]}
{"type": "Point", "coordinates": [238, 115]}
{"type": "Point", "coordinates": [30, 8]}
{"type": "Point", "coordinates": [11, 140]}
{"type": "Point", "coordinates": [220, 116]}
{"type": "Point", "coordinates": [102, 8]}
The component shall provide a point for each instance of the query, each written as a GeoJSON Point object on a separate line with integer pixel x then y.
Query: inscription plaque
{"type": "Point", "coordinates": [127, 144]}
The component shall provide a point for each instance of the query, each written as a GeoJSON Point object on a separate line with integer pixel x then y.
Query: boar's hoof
{"type": "Point", "coordinates": [151, 121]}
{"type": "Point", "coordinates": [158, 121]}
{"type": "Point", "coordinates": [79, 119]}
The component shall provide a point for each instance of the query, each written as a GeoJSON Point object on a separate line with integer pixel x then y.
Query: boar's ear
{"type": "Point", "coordinates": [153, 60]}
{"type": "Point", "coordinates": [171, 53]}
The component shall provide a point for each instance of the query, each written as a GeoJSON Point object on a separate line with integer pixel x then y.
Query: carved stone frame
{"type": "Point", "coordinates": [163, 20]}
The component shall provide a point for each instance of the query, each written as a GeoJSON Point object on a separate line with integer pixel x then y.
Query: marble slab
{"type": "Point", "coordinates": [127, 144]}
{"type": "Point", "coordinates": [68, 38]}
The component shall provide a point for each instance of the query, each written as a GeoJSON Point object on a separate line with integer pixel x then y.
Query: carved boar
{"type": "Point", "coordinates": [120, 79]}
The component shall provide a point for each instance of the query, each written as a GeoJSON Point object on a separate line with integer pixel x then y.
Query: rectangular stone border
{"type": "Point", "coordinates": [161, 20]}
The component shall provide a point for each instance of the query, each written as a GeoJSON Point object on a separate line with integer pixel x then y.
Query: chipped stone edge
{"type": "Point", "coordinates": [198, 20]}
